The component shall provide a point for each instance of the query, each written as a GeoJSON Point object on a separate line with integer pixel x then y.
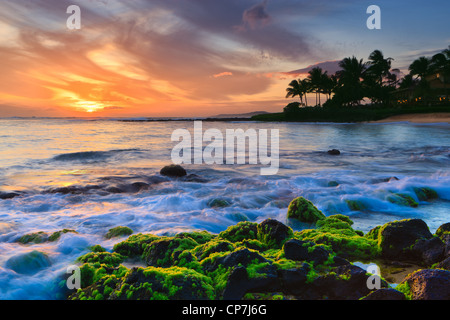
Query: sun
{"type": "Point", "coordinates": [89, 106]}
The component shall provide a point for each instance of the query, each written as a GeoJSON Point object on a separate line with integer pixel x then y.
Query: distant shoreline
{"type": "Point", "coordinates": [434, 117]}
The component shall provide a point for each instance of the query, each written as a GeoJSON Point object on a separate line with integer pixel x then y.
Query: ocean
{"type": "Point", "coordinates": [93, 175]}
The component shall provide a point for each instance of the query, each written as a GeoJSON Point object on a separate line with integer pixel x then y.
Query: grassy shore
{"type": "Point", "coordinates": [348, 114]}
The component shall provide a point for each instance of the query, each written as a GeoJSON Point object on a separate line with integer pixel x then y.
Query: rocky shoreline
{"type": "Point", "coordinates": [271, 261]}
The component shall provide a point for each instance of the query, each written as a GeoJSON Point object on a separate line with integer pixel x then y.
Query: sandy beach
{"type": "Point", "coordinates": [418, 118]}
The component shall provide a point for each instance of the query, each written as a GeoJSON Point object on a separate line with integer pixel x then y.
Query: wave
{"type": "Point", "coordinates": [90, 155]}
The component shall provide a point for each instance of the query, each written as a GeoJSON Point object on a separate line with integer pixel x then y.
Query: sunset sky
{"type": "Point", "coordinates": [192, 57]}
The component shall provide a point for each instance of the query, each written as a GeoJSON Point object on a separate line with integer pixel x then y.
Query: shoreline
{"type": "Point", "coordinates": [433, 117]}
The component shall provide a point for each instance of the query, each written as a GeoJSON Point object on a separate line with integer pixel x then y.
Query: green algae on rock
{"type": "Point", "coordinates": [425, 193]}
{"type": "Point", "coordinates": [304, 211]}
{"type": "Point", "coordinates": [402, 199]}
{"type": "Point", "coordinates": [244, 230]}
{"type": "Point", "coordinates": [118, 232]}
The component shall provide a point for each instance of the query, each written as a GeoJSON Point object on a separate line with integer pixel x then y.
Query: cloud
{"type": "Point", "coordinates": [256, 16]}
{"type": "Point", "coordinates": [222, 74]}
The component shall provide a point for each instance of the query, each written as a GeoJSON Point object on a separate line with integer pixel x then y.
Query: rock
{"type": "Point", "coordinates": [273, 233]}
{"type": "Point", "coordinates": [402, 199]}
{"type": "Point", "coordinates": [239, 283]}
{"type": "Point", "coordinates": [334, 152]}
{"type": "Point", "coordinates": [305, 251]}
{"type": "Point", "coordinates": [428, 284]}
{"type": "Point", "coordinates": [428, 252]}
{"type": "Point", "coordinates": [293, 281]}
{"type": "Point", "coordinates": [56, 235]}
{"type": "Point", "coordinates": [333, 184]}
{"type": "Point", "coordinates": [162, 252]}
{"type": "Point", "coordinates": [244, 230]}
{"type": "Point", "coordinates": [218, 203]}
{"type": "Point", "coordinates": [445, 264]}
{"type": "Point", "coordinates": [118, 232]}
{"type": "Point", "coordinates": [8, 195]}
{"type": "Point", "coordinates": [443, 229]}
{"type": "Point", "coordinates": [425, 194]}
{"type": "Point", "coordinates": [37, 237]}
{"type": "Point", "coordinates": [304, 211]}
{"type": "Point", "coordinates": [385, 294]}
{"type": "Point", "coordinates": [243, 257]}
{"type": "Point", "coordinates": [173, 171]}
{"type": "Point", "coordinates": [395, 239]}
{"type": "Point", "coordinates": [29, 263]}
{"type": "Point", "coordinates": [194, 178]}
{"type": "Point", "coordinates": [355, 205]}
{"type": "Point", "coordinates": [446, 239]}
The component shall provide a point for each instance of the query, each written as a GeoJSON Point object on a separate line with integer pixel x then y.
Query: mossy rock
{"type": "Point", "coordinates": [443, 229]}
{"type": "Point", "coordinates": [333, 184]}
{"type": "Point", "coordinates": [218, 203]}
{"type": "Point", "coordinates": [200, 237]}
{"type": "Point", "coordinates": [29, 263]}
{"type": "Point", "coordinates": [304, 211]}
{"type": "Point", "coordinates": [244, 230]}
{"type": "Point", "coordinates": [135, 245]}
{"type": "Point", "coordinates": [356, 205]}
{"type": "Point", "coordinates": [110, 259]}
{"type": "Point", "coordinates": [37, 237]}
{"type": "Point", "coordinates": [396, 238]}
{"type": "Point", "coordinates": [118, 232]}
{"type": "Point", "coordinates": [150, 283]}
{"type": "Point", "coordinates": [163, 252]}
{"type": "Point", "coordinates": [205, 250]}
{"type": "Point", "coordinates": [402, 199]}
{"type": "Point", "coordinates": [425, 194]}
{"type": "Point", "coordinates": [273, 233]}
{"type": "Point", "coordinates": [337, 234]}
{"type": "Point", "coordinates": [56, 235]}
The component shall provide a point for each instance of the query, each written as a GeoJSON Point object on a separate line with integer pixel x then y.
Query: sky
{"type": "Point", "coordinates": [182, 58]}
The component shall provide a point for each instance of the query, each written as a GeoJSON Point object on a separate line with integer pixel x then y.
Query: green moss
{"type": "Point", "coordinates": [205, 250]}
{"type": "Point", "coordinates": [402, 199]}
{"type": "Point", "coordinates": [337, 234]}
{"type": "Point", "coordinates": [118, 232]}
{"type": "Point", "coordinates": [56, 235]}
{"type": "Point", "coordinates": [244, 230]}
{"type": "Point", "coordinates": [272, 238]}
{"type": "Point", "coordinates": [304, 211]}
{"type": "Point", "coordinates": [97, 248]}
{"type": "Point", "coordinates": [135, 245]}
{"type": "Point", "coordinates": [164, 251]}
{"type": "Point", "coordinates": [373, 233]}
{"type": "Point", "coordinates": [252, 244]}
{"type": "Point", "coordinates": [111, 259]}
{"type": "Point", "coordinates": [200, 237]}
{"type": "Point", "coordinates": [405, 289]}
{"type": "Point", "coordinates": [425, 194]}
{"type": "Point", "coordinates": [218, 203]}
{"type": "Point", "coordinates": [355, 205]}
{"type": "Point", "coordinates": [37, 237]}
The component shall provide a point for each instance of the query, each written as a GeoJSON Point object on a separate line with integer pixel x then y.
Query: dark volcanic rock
{"type": "Point", "coordinates": [173, 171]}
{"type": "Point", "coordinates": [8, 195]}
{"type": "Point", "coordinates": [428, 252]}
{"type": "Point", "coordinates": [273, 233]}
{"type": "Point", "coordinates": [300, 250]}
{"type": "Point", "coordinates": [396, 238]}
{"type": "Point", "coordinates": [334, 152]}
{"type": "Point", "coordinates": [429, 284]}
{"type": "Point", "coordinates": [445, 264]}
{"type": "Point", "coordinates": [385, 294]}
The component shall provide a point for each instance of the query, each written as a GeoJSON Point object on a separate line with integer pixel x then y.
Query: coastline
{"type": "Point", "coordinates": [434, 117]}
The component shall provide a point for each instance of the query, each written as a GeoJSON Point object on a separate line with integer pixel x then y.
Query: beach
{"type": "Point", "coordinates": [440, 117]}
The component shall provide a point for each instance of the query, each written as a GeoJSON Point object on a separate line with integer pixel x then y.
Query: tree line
{"type": "Point", "coordinates": [374, 80]}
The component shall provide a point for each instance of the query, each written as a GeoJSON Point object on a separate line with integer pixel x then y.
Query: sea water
{"type": "Point", "coordinates": [67, 173]}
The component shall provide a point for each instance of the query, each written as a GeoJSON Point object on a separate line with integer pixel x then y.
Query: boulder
{"type": "Point", "coordinates": [305, 251]}
{"type": "Point", "coordinates": [445, 228]}
{"type": "Point", "coordinates": [118, 232]}
{"type": "Point", "coordinates": [428, 252]}
{"type": "Point", "coordinates": [273, 233]}
{"type": "Point", "coordinates": [385, 294]}
{"type": "Point", "coordinates": [444, 264]}
{"type": "Point", "coordinates": [29, 263]}
{"type": "Point", "coordinates": [428, 284]}
{"type": "Point", "coordinates": [173, 171]}
{"type": "Point", "coordinates": [304, 211]}
{"type": "Point", "coordinates": [334, 152]}
{"type": "Point", "coordinates": [396, 238]}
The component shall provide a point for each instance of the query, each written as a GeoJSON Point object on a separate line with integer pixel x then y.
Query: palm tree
{"type": "Point", "coordinates": [421, 67]}
{"type": "Point", "coordinates": [316, 77]}
{"type": "Point", "coordinates": [295, 89]}
{"type": "Point", "coordinates": [350, 89]}
{"type": "Point", "coordinates": [379, 66]}
{"type": "Point", "coordinates": [306, 86]}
